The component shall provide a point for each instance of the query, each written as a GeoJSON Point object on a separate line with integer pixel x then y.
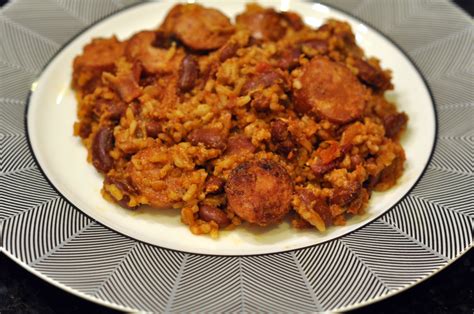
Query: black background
{"type": "Point", "coordinates": [450, 291]}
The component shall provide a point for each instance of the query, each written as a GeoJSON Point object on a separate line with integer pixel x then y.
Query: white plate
{"type": "Point", "coordinates": [52, 112]}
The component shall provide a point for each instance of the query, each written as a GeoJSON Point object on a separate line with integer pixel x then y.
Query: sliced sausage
{"type": "Point", "coordinates": [293, 19]}
{"type": "Point", "coordinates": [102, 144]}
{"type": "Point", "coordinates": [162, 40]}
{"type": "Point", "coordinates": [318, 45]}
{"type": "Point", "coordinates": [98, 56]}
{"type": "Point", "coordinates": [329, 90]}
{"type": "Point", "coordinates": [197, 27]}
{"type": "Point", "coordinates": [259, 192]}
{"type": "Point", "coordinates": [141, 47]}
{"type": "Point", "coordinates": [263, 24]}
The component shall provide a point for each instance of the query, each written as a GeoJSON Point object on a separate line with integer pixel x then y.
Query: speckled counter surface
{"type": "Point", "coordinates": [450, 291]}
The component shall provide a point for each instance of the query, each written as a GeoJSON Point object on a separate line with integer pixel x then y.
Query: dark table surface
{"type": "Point", "coordinates": [450, 291]}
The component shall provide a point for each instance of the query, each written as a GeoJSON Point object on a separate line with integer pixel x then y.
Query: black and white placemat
{"type": "Point", "coordinates": [425, 232]}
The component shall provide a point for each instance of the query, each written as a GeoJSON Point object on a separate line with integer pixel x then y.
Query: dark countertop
{"type": "Point", "coordinates": [450, 291]}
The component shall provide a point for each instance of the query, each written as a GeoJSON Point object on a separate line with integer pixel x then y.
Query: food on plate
{"type": "Point", "coordinates": [256, 121]}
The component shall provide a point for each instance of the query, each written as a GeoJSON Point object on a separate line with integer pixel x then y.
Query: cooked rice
{"type": "Point", "coordinates": [175, 122]}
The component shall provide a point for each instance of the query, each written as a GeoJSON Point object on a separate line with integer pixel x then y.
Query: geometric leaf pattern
{"type": "Point", "coordinates": [22, 191]}
{"type": "Point", "coordinates": [250, 283]}
{"type": "Point", "coordinates": [161, 267]}
{"type": "Point", "coordinates": [89, 11]}
{"type": "Point", "coordinates": [337, 276]}
{"type": "Point", "coordinates": [193, 279]}
{"type": "Point", "coordinates": [424, 232]}
{"type": "Point", "coordinates": [456, 121]}
{"type": "Point", "coordinates": [448, 65]}
{"type": "Point", "coordinates": [25, 41]}
{"type": "Point", "coordinates": [11, 116]}
{"type": "Point", "coordinates": [44, 17]}
{"type": "Point", "coordinates": [15, 82]}
{"type": "Point", "coordinates": [449, 189]}
{"type": "Point", "coordinates": [398, 18]}
{"type": "Point", "coordinates": [440, 229]}
{"type": "Point", "coordinates": [53, 222]}
{"type": "Point", "coordinates": [454, 155]}
{"type": "Point", "coordinates": [275, 284]}
{"type": "Point", "coordinates": [15, 154]}
{"type": "Point", "coordinates": [393, 257]}
{"type": "Point", "coordinates": [87, 260]}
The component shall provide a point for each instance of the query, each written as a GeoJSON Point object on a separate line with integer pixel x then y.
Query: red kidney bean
{"type": "Point", "coordinates": [211, 213]}
{"type": "Point", "coordinates": [153, 128]}
{"type": "Point", "coordinates": [102, 144]}
{"type": "Point", "coordinates": [210, 137]}
{"type": "Point", "coordinates": [188, 73]}
{"type": "Point", "coordinates": [228, 51]}
{"type": "Point", "coordinates": [393, 123]}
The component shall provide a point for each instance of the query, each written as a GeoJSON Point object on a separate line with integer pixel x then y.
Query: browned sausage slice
{"type": "Point", "coordinates": [199, 28]}
{"type": "Point", "coordinates": [294, 20]}
{"type": "Point", "coordinates": [259, 191]}
{"type": "Point", "coordinates": [329, 90]}
{"type": "Point", "coordinates": [141, 48]}
{"type": "Point", "coordinates": [263, 24]}
{"type": "Point", "coordinates": [98, 56]}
